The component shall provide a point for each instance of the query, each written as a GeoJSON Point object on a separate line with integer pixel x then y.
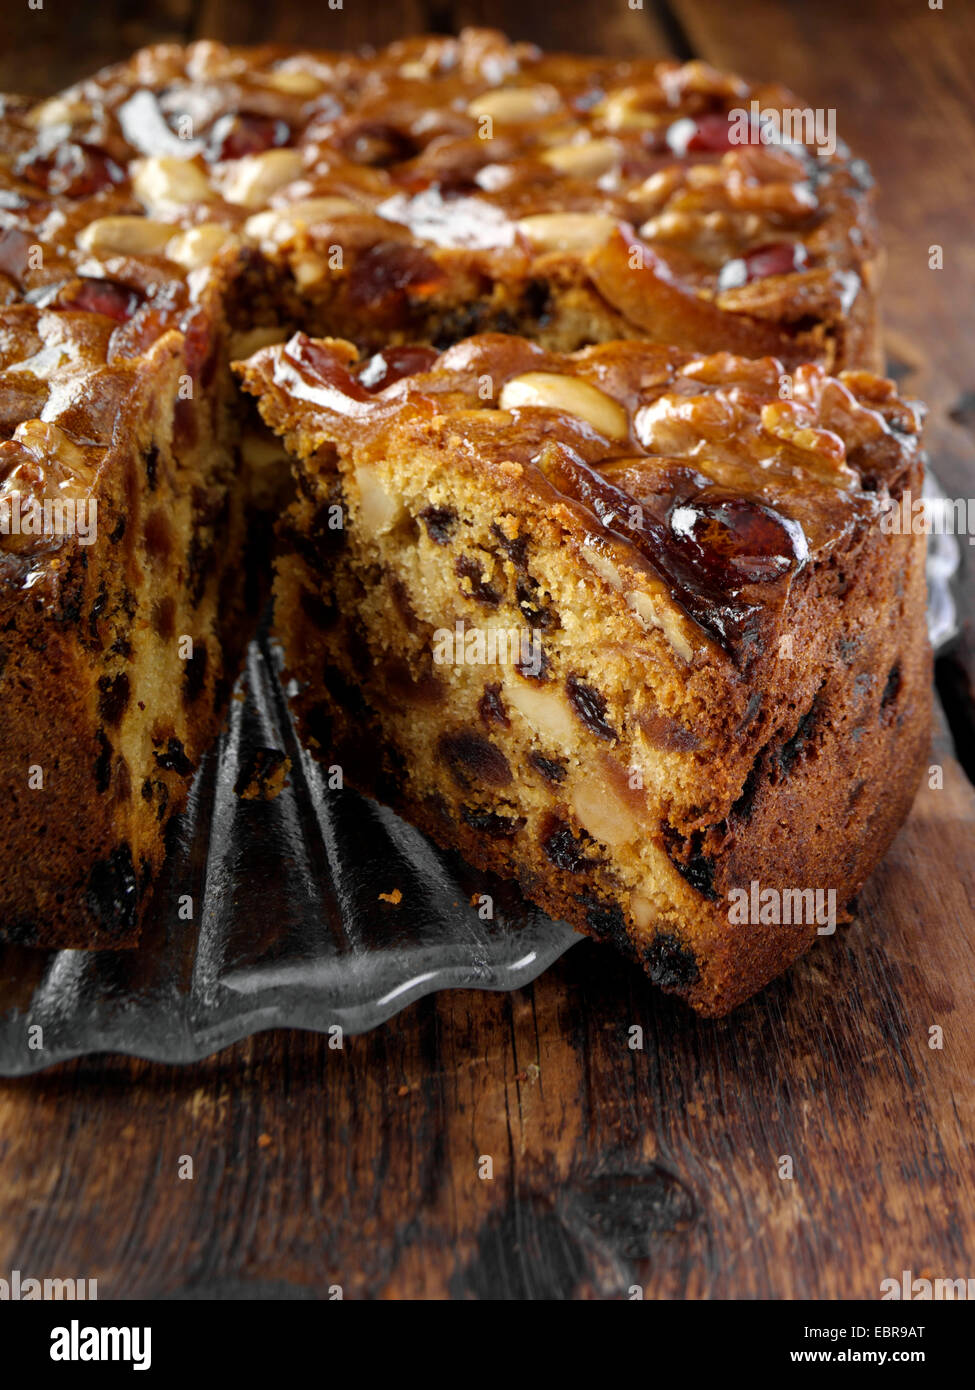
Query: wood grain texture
{"type": "Point", "coordinates": [612, 1165]}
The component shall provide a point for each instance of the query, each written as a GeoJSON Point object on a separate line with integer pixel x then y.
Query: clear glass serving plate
{"type": "Point", "coordinates": [288, 925]}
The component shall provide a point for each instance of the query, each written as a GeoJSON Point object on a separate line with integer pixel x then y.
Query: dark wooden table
{"type": "Point", "coordinates": [611, 1166]}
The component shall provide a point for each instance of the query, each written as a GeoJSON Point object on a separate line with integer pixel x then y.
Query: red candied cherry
{"type": "Point", "coordinates": [734, 541]}
{"type": "Point", "coordinates": [107, 297]}
{"type": "Point", "coordinates": [243, 133]}
{"type": "Point", "coordinates": [394, 363]}
{"type": "Point", "coordinates": [71, 170]}
{"type": "Point", "coordinates": [708, 134]}
{"type": "Point", "coordinates": [775, 258]}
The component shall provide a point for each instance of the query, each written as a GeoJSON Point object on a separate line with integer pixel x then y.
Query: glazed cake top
{"type": "Point", "coordinates": [720, 476]}
{"type": "Point", "coordinates": [130, 203]}
{"type": "Point", "coordinates": [472, 145]}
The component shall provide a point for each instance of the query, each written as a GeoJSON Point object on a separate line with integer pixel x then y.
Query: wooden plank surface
{"type": "Point", "coordinates": [612, 1165]}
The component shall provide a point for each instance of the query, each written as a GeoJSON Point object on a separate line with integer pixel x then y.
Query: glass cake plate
{"type": "Point", "coordinates": [315, 909]}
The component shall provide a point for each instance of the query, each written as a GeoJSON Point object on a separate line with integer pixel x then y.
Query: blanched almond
{"type": "Point", "coordinates": [379, 509]}
{"type": "Point", "coordinates": [510, 104]}
{"type": "Point", "coordinates": [567, 231]}
{"type": "Point", "coordinates": [59, 111]}
{"type": "Point", "coordinates": [654, 613]}
{"type": "Point", "coordinates": [163, 181]}
{"type": "Point", "coordinates": [250, 181]}
{"type": "Point", "coordinates": [631, 108]}
{"type": "Point", "coordinates": [126, 236]}
{"type": "Point", "coordinates": [571, 394]}
{"type": "Point", "coordinates": [200, 245]}
{"type": "Point", "coordinates": [278, 225]}
{"type": "Point", "coordinates": [545, 710]}
{"type": "Point", "coordinates": [584, 161]}
{"type": "Point", "coordinates": [603, 812]}
{"type": "Point", "coordinates": [294, 82]}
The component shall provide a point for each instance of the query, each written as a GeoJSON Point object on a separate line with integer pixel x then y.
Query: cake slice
{"type": "Point", "coordinates": [624, 625]}
{"type": "Point", "coordinates": [132, 546]}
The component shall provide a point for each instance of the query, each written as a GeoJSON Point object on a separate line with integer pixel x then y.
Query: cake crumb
{"type": "Point", "coordinates": [264, 1141]}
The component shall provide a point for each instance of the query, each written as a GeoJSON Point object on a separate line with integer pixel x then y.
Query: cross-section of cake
{"type": "Point", "coordinates": [623, 625]}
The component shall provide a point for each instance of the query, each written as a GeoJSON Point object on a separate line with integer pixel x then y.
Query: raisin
{"type": "Point", "coordinates": [892, 686]}
{"type": "Point", "coordinates": [112, 894]}
{"type": "Point", "coordinates": [490, 823]}
{"type": "Point", "coordinates": [540, 615]}
{"type": "Point", "coordinates": [551, 770]}
{"type": "Point", "coordinates": [538, 301]}
{"type": "Point", "coordinates": [174, 759]}
{"type": "Point", "coordinates": [525, 668]}
{"type": "Point", "coordinates": [103, 763]}
{"type": "Point", "coordinates": [439, 522]}
{"type": "Point", "coordinates": [590, 706]}
{"type": "Point", "coordinates": [113, 698]}
{"type": "Point", "coordinates": [669, 963]}
{"type": "Point", "coordinates": [468, 568]}
{"type": "Point", "coordinates": [793, 748]}
{"type": "Point", "coordinates": [743, 807]}
{"type": "Point", "coordinates": [152, 467]}
{"type": "Point", "coordinates": [469, 755]}
{"type": "Point", "coordinates": [384, 277]}
{"type": "Point", "coordinates": [491, 708]}
{"type": "Point", "coordinates": [565, 850]}
{"type": "Point", "coordinates": [516, 549]}
{"type": "Point", "coordinates": [346, 695]}
{"type": "Point", "coordinates": [607, 923]}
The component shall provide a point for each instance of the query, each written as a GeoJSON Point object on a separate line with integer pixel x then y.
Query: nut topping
{"type": "Point", "coordinates": [126, 236]}
{"type": "Point", "coordinates": [508, 105]}
{"type": "Point", "coordinates": [200, 245]}
{"type": "Point", "coordinates": [567, 231]}
{"type": "Point", "coordinates": [552, 391]}
{"type": "Point", "coordinates": [584, 160]}
{"type": "Point", "coordinates": [252, 180]}
{"type": "Point", "coordinates": [162, 181]}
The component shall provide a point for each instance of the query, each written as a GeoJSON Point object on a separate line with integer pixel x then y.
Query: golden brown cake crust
{"type": "Point", "coordinates": [733, 682]}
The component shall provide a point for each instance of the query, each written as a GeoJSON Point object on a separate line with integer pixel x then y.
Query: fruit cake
{"type": "Point", "coordinates": [623, 625]}
{"type": "Point", "coordinates": [196, 202]}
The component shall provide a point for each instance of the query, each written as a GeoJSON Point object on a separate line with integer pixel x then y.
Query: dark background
{"type": "Point", "coordinates": [611, 1166]}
